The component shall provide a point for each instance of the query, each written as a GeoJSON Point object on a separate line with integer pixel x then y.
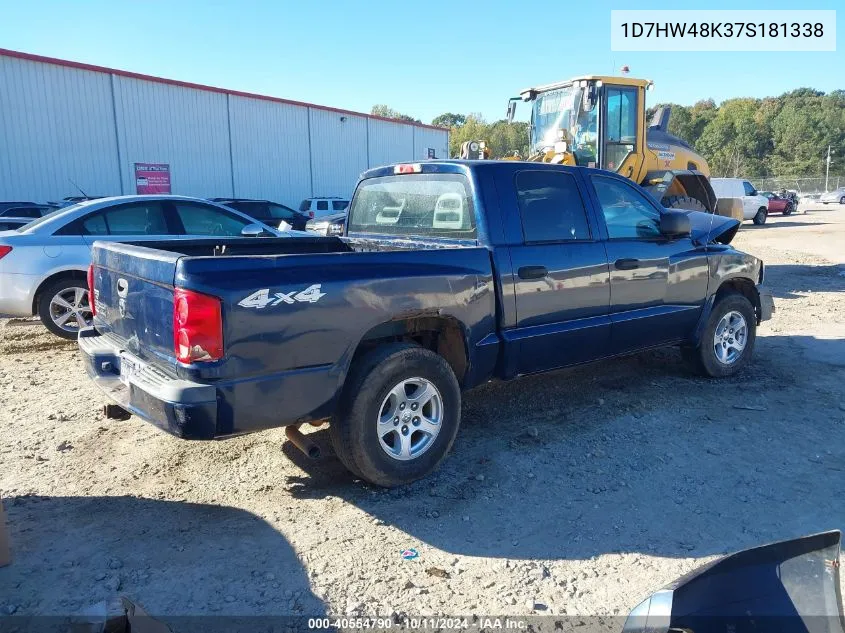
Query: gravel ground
{"type": "Point", "coordinates": [578, 492]}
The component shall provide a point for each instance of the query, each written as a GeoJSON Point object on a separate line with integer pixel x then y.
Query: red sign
{"type": "Point", "coordinates": [152, 178]}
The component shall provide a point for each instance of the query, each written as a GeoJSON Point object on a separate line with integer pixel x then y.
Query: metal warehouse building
{"type": "Point", "coordinates": [63, 122]}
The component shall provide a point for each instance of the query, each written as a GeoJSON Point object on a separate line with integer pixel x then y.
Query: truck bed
{"type": "Point", "coordinates": [314, 298]}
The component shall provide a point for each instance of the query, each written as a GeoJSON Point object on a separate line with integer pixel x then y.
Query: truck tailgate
{"type": "Point", "coordinates": [133, 295]}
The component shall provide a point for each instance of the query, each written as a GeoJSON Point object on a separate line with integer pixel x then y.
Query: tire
{"type": "Point", "coordinates": [683, 202]}
{"type": "Point", "coordinates": [842, 200]}
{"type": "Point", "coordinates": [74, 292]}
{"type": "Point", "coordinates": [761, 216]}
{"type": "Point", "coordinates": [359, 434]}
{"type": "Point", "coordinates": [788, 210]}
{"type": "Point", "coordinates": [703, 359]}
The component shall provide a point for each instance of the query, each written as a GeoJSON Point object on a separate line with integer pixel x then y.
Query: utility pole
{"type": "Point", "coordinates": [827, 171]}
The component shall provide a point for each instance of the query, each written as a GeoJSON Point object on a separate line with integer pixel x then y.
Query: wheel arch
{"type": "Point", "coordinates": [68, 273]}
{"type": "Point", "coordinates": [680, 182]}
{"type": "Point", "coordinates": [444, 335]}
{"type": "Point", "coordinates": [731, 285]}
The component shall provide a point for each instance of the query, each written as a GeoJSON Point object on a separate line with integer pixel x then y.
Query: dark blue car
{"type": "Point", "coordinates": [449, 274]}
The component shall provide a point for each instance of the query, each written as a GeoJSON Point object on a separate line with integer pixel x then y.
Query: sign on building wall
{"type": "Point", "coordinates": [431, 153]}
{"type": "Point", "coordinates": [152, 178]}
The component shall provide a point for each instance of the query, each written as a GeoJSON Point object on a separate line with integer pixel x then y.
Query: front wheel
{"type": "Point", "coordinates": [761, 216]}
{"type": "Point", "coordinates": [399, 415]}
{"type": "Point", "coordinates": [64, 309]}
{"type": "Point", "coordinates": [788, 210]}
{"type": "Point", "coordinates": [842, 200]}
{"type": "Point", "coordinates": [727, 342]}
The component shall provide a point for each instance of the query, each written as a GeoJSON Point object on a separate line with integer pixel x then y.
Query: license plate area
{"type": "Point", "coordinates": [129, 366]}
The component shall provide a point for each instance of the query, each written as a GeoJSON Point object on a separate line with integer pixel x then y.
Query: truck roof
{"type": "Point", "coordinates": [457, 165]}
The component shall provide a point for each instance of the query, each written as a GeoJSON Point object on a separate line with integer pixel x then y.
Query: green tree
{"type": "Point", "coordinates": [389, 113]}
{"type": "Point", "coordinates": [449, 119]}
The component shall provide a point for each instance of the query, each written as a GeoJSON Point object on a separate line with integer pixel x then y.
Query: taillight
{"type": "Point", "coordinates": [310, 214]}
{"type": "Point", "coordinates": [4, 250]}
{"type": "Point", "coordinates": [197, 327]}
{"type": "Point", "coordinates": [91, 295]}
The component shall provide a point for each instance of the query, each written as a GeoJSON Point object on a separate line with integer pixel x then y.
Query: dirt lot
{"type": "Point", "coordinates": [578, 492]}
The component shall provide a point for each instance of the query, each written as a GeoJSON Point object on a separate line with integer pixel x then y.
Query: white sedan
{"type": "Point", "coordinates": [43, 264]}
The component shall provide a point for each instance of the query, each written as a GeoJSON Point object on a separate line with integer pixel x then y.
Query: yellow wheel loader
{"type": "Point", "coordinates": [599, 121]}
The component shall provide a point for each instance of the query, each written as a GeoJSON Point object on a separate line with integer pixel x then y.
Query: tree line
{"type": "Point", "coordinates": [743, 137]}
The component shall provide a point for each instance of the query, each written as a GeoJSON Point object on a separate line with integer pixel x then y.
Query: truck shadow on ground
{"type": "Point", "coordinates": [785, 280]}
{"type": "Point", "coordinates": [632, 455]}
{"type": "Point", "coordinates": [778, 223]}
{"type": "Point", "coordinates": [174, 558]}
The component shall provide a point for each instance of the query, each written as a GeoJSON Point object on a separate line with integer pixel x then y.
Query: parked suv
{"type": "Point", "coordinates": [318, 207]}
{"type": "Point", "coordinates": [271, 213]}
{"type": "Point", "coordinates": [754, 206]}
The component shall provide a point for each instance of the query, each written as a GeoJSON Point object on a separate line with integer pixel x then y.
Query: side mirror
{"type": "Point", "coordinates": [674, 224]}
{"type": "Point", "coordinates": [253, 230]}
{"type": "Point", "coordinates": [511, 110]}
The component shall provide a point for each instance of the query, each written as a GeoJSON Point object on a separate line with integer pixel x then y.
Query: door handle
{"type": "Point", "coordinates": [627, 264]}
{"type": "Point", "coordinates": [532, 272]}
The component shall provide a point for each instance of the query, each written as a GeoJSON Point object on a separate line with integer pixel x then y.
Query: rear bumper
{"type": "Point", "coordinates": [767, 303]}
{"type": "Point", "coordinates": [180, 407]}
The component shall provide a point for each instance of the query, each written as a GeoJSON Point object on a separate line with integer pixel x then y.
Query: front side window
{"type": "Point", "coordinates": [198, 219]}
{"type": "Point", "coordinates": [749, 189]}
{"type": "Point", "coordinates": [426, 205]}
{"type": "Point", "coordinates": [628, 214]}
{"type": "Point", "coordinates": [551, 207]}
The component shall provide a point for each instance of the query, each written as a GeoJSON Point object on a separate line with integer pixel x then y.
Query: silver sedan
{"type": "Point", "coordinates": [43, 265]}
{"type": "Point", "coordinates": [837, 195]}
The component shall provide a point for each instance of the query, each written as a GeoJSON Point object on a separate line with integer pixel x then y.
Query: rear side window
{"type": "Point", "coordinates": [426, 205]}
{"type": "Point", "coordinates": [339, 205]}
{"type": "Point", "coordinates": [93, 225]}
{"type": "Point", "coordinates": [146, 218]}
{"type": "Point", "coordinates": [551, 207]}
{"type": "Point", "coordinates": [322, 205]}
{"type": "Point", "coordinates": [202, 220]}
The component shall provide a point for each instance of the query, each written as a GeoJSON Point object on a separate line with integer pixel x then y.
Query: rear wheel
{"type": "Point", "coordinates": [683, 202]}
{"type": "Point", "coordinates": [727, 342]}
{"type": "Point", "coordinates": [63, 307]}
{"type": "Point", "coordinates": [761, 216]}
{"type": "Point", "coordinates": [399, 415]}
{"type": "Point", "coordinates": [842, 200]}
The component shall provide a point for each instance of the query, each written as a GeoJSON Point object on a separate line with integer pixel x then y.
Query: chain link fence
{"type": "Point", "coordinates": [802, 185]}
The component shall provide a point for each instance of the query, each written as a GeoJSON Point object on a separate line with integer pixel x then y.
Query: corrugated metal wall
{"type": "Point", "coordinates": [275, 137]}
{"type": "Point", "coordinates": [60, 124]}
{"type": "Point", "coordinates": [56, 128]}
{"type": "Point", "coordinates": [186, 128]}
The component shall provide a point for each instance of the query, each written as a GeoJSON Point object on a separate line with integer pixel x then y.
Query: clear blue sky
{"type": "Point", "coordinates": [422, 58]}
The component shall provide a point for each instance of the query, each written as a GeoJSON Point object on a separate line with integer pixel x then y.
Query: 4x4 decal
{"type": "Point", "coordinates": [262, 298]}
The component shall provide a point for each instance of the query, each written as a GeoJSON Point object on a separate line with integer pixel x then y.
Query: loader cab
{"type": "Point", "coordinates": [591, 122]}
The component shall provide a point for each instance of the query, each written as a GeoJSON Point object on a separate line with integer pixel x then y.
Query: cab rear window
{"type": "Point", "coordinates": [425, 205]}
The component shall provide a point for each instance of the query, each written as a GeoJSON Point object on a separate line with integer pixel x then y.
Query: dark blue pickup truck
{"type": "Point", "coordinates": [449, 274]}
